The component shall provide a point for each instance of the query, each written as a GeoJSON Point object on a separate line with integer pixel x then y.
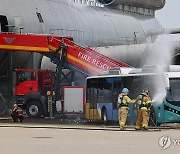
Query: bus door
{"type": "Point", "coordinates": [105, 105]}
{"type": "Point", "coordinates": [91, 103]}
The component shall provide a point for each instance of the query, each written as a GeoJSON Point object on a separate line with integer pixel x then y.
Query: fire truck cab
{"type": "Point", "coordinates": [31, 89]}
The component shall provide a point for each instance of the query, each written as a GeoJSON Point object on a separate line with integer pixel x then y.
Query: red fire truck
{"type": "Point", "coordinates": [31, 88]}
{"type": "Point", "coordinates": [32, 85]}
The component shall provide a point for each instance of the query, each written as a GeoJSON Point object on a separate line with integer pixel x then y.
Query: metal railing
{"type": "Point", "coordinates": [77, 35]}
{"type": "Point", "coordinates": [88, 2]}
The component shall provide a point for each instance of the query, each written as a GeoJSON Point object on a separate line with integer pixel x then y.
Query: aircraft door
{"type": "Point", "coordinates": [3, 24]}
{"type": "Point", "coordinates": [18, 24]}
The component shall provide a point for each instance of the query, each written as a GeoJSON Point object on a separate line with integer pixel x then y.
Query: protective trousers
{"type": "Point", "coordinates": [145, 118]}
{"type": "Point", "coordinates": [139, 119]}
{"type": "Point", "coordinates": [122, 116]}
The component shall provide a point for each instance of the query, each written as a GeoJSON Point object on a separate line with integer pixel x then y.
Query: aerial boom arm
{"type": "Point", "coordinates": [86, 59]}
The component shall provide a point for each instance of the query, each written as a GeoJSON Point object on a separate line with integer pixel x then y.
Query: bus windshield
{"type": "Point", "coordinates": [173, 94]}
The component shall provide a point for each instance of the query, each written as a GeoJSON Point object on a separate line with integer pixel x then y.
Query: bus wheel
{"type": "Point", "coordinates": [104, 115]}
{"type": "Point", "coordinates": [34, 109]}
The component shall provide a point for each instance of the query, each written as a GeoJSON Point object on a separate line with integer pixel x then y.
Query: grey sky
{"type": "Point", "coordinates": [169, 16]}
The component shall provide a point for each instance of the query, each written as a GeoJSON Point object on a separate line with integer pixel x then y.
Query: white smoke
{"type": "Point", "coordinates": [47, 64]}
{"type": "Point", "coordinates": [159, 88]}
{"type": "Point", "coordinates": [160, 57]}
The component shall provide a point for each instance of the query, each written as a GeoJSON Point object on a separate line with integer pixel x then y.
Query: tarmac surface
{"type": "Point", "coordinates": [69, 135]}
{"type": "Point", "coordinates": [72, 120]}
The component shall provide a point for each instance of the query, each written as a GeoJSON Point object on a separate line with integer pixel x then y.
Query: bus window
{"type": "Point", "coordinates": [104, 90]}
{"type": "Point", "coordinates": [116, 90]}
{"type": "Point", "coordinates": [169, 97]}
{"type": "Point", "coordinates": [134, 84]}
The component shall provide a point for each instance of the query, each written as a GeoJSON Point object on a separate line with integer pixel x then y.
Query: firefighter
{"type": "Point", "coordinates": [144, 102]}
{"type": "Point", "coordinates": [122, 104]}
{"type": "Point", "coordinates": [17, 113]}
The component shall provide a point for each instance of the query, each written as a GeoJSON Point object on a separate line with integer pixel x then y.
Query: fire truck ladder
{"type": "Point", "coordinates": [85, 59]}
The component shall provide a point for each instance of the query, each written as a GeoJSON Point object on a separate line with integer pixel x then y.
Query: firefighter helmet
{"type": "Point", "coordinates": [146, 91]}
{"type": "Point", "coordinates": [125, 90]}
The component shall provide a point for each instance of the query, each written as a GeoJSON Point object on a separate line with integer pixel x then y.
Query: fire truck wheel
{"type": "Point", "coordinates": [104, 115]}
{"type": "Point", "coordinates": [34, 109]}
